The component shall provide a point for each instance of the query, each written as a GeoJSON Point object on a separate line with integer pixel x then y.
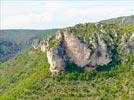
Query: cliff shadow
{"type": "Point", "coordinates": [74, 72]}
{"type": "Point", "coordinates": [71, 67]}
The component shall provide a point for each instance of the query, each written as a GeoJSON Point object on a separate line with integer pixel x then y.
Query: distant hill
{"type": "Point", "coordinates": [12, 41]}
{"type": "Point", "coordinates": [120, 20]}
{"type": "Point", "coordinates": [25, 37]}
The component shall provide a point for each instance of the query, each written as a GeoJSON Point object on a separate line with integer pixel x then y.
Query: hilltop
{"type": "Point", "coordinates": [120, 20]}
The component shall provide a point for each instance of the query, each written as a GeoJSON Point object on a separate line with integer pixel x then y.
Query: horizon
{"type": "Point", "coordinates": [28, 29]}
{"type": "Point", "coordinates": [42, 15]}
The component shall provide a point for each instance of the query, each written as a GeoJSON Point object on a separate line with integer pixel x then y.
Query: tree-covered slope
{"type": "Point", "coordinates": [21, 72]}
{"type": "Point", "coordinates": [26, 77]}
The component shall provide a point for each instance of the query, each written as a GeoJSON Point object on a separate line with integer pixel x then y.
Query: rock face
{"type": "Point", "coordinates": [77, 50]}
{"type": "Point", "coordinates": [56, 58]}
{"type": "Point", "coordinates": [83, 55]}
{"type": "Point", "coordinates": [72, 49]}
{"type": "Point", "coordinates": [56, 61]}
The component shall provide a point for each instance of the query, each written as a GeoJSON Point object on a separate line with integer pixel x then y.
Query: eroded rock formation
{"type": "Point", "coordinates": [72, 49]}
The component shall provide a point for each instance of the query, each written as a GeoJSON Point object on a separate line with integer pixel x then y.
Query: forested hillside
{"type": "Point", "coordinates": [12, 41]}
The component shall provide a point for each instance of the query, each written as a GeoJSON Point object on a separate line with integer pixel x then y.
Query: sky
{"type": "Point", "coordinates": [44, 14]}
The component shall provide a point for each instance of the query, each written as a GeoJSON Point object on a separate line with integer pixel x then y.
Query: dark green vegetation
{"type": "Point", "coordinates": [26, 75]}
{"type": "Point", "coordinates": [12, 41]}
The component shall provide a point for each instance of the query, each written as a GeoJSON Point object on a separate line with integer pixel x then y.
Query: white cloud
{"type": "Point", "coordinates": [49, 14]}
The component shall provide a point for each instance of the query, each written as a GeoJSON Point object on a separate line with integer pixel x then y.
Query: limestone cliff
{"type": "Point", "coordinates": [72, 49]}
{"type": "Point", "coordinates": [69, 46]}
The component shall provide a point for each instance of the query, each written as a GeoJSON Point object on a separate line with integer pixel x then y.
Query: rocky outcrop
{"type": "Point", "coordinates": [82, 54]}
{"type": "Point", "coordinates": [56, 55]}
{"type": "Point", "coordinates": [35, 44]}
{"type": "Point", "coordinates": [56, 60]}
{"type": "Point", "coordinates": [78, 52]}
{"type": "Point", "coordinates": [127, 43]}
{"type": "Point", "coordinates": [72, 49]}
